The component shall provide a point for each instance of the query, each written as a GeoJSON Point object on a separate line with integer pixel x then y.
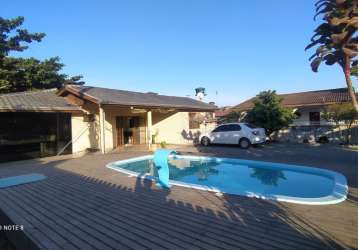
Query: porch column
{"type": "Point", "coordinates": [102, 130]}
{"type": "Point", "coordinates": [58, 133]}
{"type": "Point", "coordinates": [149, 128]}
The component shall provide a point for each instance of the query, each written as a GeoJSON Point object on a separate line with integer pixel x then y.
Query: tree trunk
{"type": "Point", "coordinates": [347, 74]}
{"type": "Point", "coordinates": [347, 135]}
{"type": "Point", "coordinates": [349, 126]}
{"type": "Point", "coordinates": [340, 133]}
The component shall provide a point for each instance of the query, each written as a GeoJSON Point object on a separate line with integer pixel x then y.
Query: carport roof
{"type": "Point", "coordinates": [38, 101]}
{"type": "Point", "coordinates": [105, 96]}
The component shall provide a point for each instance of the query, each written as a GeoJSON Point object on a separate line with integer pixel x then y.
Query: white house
{"type": "Point", "coordinates": [309, 107]}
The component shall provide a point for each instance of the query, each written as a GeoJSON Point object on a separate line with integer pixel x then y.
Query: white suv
{"type": "Point", "coordinates": [242, 134]}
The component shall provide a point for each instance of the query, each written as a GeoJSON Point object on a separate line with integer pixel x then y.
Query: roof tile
{"type": "Point", "coordinates": [46, 100]}
{"type": "Point", "coordinates": [123, 97]}
{"type": "Point", "coordinates": [324, 97]}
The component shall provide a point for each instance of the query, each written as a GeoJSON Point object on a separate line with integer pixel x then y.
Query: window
{"type": "Point", "coordinates": [227, 128]}
{"type": "Point", "coordinates": [219, 129]}
{"type": "Point", "coordinates": [234, 127]}
{"type": "Point", "coordinates": [194, 122]}
{"type": "Point", "coordinates": [250, 125]}
{"type": "Point", "coordinates": [315, 118]}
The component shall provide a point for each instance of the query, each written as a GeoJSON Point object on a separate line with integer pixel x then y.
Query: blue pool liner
{"type": "Point", "coordinates": [339, 192]}
{"type": "Point", "coordinates": [161, 163]}
{"type": "Point", "coordinates": [20, 179]}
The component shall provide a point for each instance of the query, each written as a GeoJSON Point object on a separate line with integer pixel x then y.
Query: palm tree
{"type": "Point", "coordinates": [335, 39]}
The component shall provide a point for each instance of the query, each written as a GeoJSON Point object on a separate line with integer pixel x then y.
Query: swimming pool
{"type": "Point", "coordinates": [266, 180]}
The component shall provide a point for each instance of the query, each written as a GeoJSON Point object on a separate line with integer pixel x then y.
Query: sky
{"type": "Point", "coordinates": [233, 48]}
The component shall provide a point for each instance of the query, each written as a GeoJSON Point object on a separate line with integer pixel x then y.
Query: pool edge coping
{"type": "Point", "coordinates": [339, 192]}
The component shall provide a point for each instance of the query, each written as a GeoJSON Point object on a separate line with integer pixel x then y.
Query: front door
{"type": "Point", "coordinates": [134, 130]}
{"type": "Point", "coordinates": [120, 128]}
{"type": "Point", "coordinates": [128, 132]}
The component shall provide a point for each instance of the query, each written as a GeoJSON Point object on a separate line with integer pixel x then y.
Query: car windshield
{"type": "Point", "coordinates": [250, 125]}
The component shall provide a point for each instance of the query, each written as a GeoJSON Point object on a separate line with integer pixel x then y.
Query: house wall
{"type": "Point", "coordinates": [304, 119]}
{"type": "Point", "coordinates": [173, 127]}
{"type": "Point", "coordinates": [301, 129]}
{"type": "Point", "coordinates": [85, 132]}
{"type": "Point", "coordinates": [80, 134]}
{"type": "Point", "coordinates": [111, 129]}
{"type": "Point", "coordinates": [334, 134]}
{"type": "Point", "coordinates": [90, 139]}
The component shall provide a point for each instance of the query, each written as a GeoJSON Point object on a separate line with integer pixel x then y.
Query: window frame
{"type": "Point", "coordinates": [217, 129]}
{"type": "Point", "coordinates": [317, 117]}
{"type": "Point", "coordinates": [235, 130]}
{"type": "Point", "coordinates": [227, 126]}
{"type": "Point", "coordinates": [193, 123]}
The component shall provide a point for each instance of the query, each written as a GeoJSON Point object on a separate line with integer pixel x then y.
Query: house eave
{"type": "Point", "coordinates": [44, 110]}
{"type": "Point", "coordinates": [150, 106]}
{"type": "Point", "coordinates": [296, 105]}
{"type": "Point", "coordinates": [90, 98]}
{"type": "Point", "coordinates": [78, 94]}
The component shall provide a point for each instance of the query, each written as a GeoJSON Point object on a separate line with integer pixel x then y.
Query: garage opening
{"type": "Point", "coordinates": [26, 135]}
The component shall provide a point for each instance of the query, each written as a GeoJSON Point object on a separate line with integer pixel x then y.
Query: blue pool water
{"type": "Point", "coordinates": [251, 178]}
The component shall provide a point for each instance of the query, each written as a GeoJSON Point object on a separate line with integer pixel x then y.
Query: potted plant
{"type": "Point", "coordinates": [163, 144]}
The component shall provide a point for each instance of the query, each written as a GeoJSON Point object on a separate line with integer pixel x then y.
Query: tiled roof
{"type": "Point", "coordinates": [44, 100]}
{"type": "Point", "coordinates": [309, 98]}
{"type": "Point", "coordinates": [222, 111]}
{"type": "Point", "coordinates": [130, 98]}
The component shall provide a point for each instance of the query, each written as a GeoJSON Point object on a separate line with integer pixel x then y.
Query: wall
{"type": "Point", "coordinates": [84, 134]}
{"type": "Point", "coordinates": [90, 138]}
{"type": "Point", "coordinates": [313, 133]}
{"type": "Point", "coordinates": [111, 129]}
{"type": "Point", "coordinates": [304, 119]}
{"type": "Point", "coordinates": [173, 127]}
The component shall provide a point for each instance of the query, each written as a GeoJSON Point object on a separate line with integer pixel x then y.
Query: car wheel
{"type": "Point", "coordinates": [205, 141]}
{"type": "Point", "coordinates": [244, 143]}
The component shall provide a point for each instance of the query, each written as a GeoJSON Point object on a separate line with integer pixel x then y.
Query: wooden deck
{"type": "Point", "coordinates": [84, 205]}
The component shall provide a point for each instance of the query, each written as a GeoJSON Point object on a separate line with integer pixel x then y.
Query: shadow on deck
{"type": "Point", "coordinates": [70, 210]}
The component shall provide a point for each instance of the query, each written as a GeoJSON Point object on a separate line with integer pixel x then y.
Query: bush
{"type": "Point", "coordinates": [163, 144]}
{"type": "Point", "coordinates": [269, 113]}
{"type": "Point", "coordinates": [323, 139]}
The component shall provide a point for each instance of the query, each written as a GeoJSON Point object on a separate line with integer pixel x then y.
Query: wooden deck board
{"type": "Point", "coordinates": [84, 205]}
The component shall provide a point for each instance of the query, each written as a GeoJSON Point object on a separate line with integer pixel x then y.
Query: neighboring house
{"type": "Point", "coordinates": [308, 106]}
{"type": "Point", "coordinates": [91, 118]}
{"type": "Point", "coordinates": [222, 112]}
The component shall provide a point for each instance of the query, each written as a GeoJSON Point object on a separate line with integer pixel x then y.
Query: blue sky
{"type": "Point", "coordinates": [232, 48]}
